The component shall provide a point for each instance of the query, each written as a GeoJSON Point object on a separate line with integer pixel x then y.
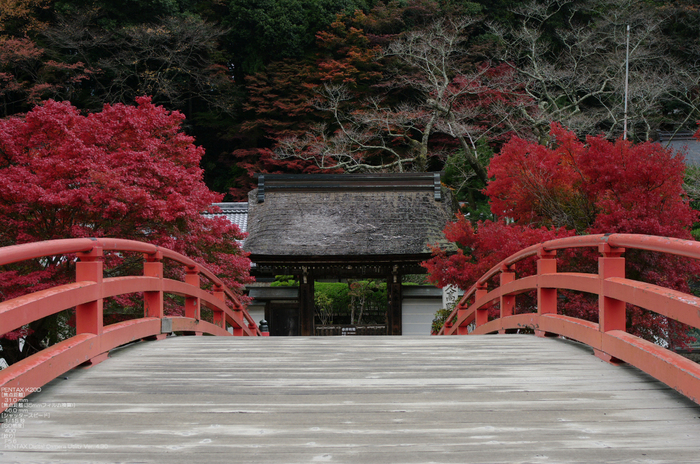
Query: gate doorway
{"type": "Point", "coordinates": [350, 226]}
{"type": "Point", "coordinates": [284, 319]}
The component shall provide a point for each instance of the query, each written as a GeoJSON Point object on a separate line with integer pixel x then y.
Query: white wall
{"type": "Point", "coordinates": [257, 312]}
{"type": "Point", "coordinates": [417, 315]}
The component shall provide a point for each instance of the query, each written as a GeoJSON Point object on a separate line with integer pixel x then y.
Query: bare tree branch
{"type": "Point", "coordinates": [448, 96]}
{"type": "Point", "coordinates": [578, 80]}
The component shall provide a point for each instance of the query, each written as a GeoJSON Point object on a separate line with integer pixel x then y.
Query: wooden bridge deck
{"type": "Point", "coordinates": [506, 398]}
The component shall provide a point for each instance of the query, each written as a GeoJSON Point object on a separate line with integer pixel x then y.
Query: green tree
{"type": "Point", "coordinates": [262, 31]}
{"type": "Point", "coordinates": [115, 14]}
{"type": "Point", "coordinates": [173, 59]}
{"type": "Point", "coordinates": [324, 308]}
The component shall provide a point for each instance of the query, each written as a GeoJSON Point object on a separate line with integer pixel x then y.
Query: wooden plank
{"type": "Point", "coordinates": [505, 398]}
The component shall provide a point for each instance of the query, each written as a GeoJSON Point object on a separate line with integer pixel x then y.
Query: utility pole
{"type": "Point", "coordinates": [627, 81]}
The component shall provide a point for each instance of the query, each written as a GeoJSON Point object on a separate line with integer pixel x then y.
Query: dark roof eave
{"type": "Point", "coordinates": [339, 259]}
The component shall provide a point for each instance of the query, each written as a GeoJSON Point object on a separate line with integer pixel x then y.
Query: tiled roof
{"type": "Point", "coordinates": [237, 213]}
{"type": "Point", "coordinates": [684, 142]}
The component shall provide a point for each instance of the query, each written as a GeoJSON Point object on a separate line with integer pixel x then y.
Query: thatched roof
{"type": "Point", "coordinates": [347, 215]}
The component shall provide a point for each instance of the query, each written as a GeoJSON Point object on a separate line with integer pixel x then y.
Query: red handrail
{"type": "Point", "coordinates": [93, 341]}
{"type": "Point", "coordinates": [608, 338]}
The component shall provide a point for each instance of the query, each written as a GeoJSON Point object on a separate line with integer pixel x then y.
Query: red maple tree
{"type": "Point", "coordinates": [569, 186]}
{"type": "Point", "coordinates": [594, 187]}
{"type": "Point", "coordinates": [127, 172]}
{"type": "Point", "coordinates": [482, 247]}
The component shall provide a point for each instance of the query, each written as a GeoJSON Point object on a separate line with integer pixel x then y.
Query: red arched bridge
{"type": "Point", "coordinates": [93, 341]}
{"type": "Point", "coordinates": [506, 398]}
{"type": "Point", "coordinates": [608, 338]}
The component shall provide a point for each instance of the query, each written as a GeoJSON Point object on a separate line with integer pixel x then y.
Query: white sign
{"type": "Point", "coordinates": [450, 296]}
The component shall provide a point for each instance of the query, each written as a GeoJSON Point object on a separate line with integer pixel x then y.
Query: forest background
{"type": "Point", "coordinates": [469, 88]}
{"type": "Point", "coordinates": [295, 85]}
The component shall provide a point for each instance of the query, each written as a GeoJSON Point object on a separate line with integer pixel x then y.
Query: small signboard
{"type": "Point", "coordinates": [349, 331]}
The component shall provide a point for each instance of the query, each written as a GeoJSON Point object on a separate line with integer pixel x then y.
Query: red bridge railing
{"type": "Point", "coordinates": [608, 338]}
{"type": "Point", "coordinates": [93, 341]}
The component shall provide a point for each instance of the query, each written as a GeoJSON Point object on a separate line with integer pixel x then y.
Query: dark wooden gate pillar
{"type": "Point", "coordinates": [306, 302]}
{"type": "Point", "coordinates": [394, 321]}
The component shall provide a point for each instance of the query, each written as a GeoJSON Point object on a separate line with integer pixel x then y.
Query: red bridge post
{"type": "Point", "coordinates": [88, 316]}
{"type": "Point", "coordinates": [193, 303]}
{"type": "Point", "coordinates": [507, 302]}
{"type": "Point", "coordinates": [462, 329]}
{"type": "Point", "coordinates": [238, 317]}
{"type": "Point", "coordinates": [482, 313]}
{"type": "Point", "coordinates": [153, 301]}
{"type": "Point", "coordinates": [219, 317]}
{"type": "Point", "coordinates": [546, 297]}
{"type": "Point", "coordinates": [612, 313]}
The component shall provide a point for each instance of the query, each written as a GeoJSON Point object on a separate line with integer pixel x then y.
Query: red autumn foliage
{"type": "Point", "coordinates": [23, 16]}
{"type": "Point", "coordinates": [126, 172]}
{"type": "Point", "coordinates": [575, 187]}
{"type": "Point", "coordinates": [593, 187]}
{"type": "Point", "coordinates": [347, 55]}
{"type": "Point", "coordinates": [280, 100]}
{"type": "Point", "coordinates": [26, 76]}
{"type": "Point", "coordinates": [482, 247]}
